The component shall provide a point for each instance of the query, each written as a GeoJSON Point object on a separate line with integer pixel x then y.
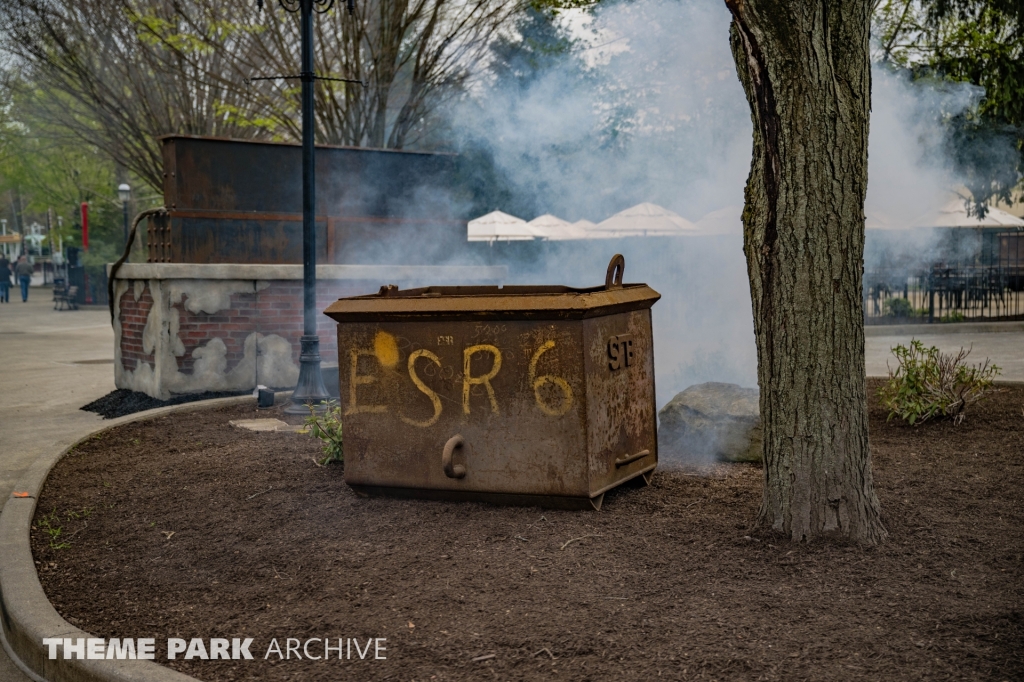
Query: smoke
{"type": "Point", "coordinates": [703, 329]}
{"type": "Point", "coordinates": [645, 106]}
{"type": "Point", "coordinates": [910, 170]}
{"type": "Point", "coordinates": [639, 102]}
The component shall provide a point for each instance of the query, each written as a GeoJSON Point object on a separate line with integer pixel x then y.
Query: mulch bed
{"type": "Point", "coordinates": [186, 527]}
{"type": "Point", "coordinates": [123, 401]}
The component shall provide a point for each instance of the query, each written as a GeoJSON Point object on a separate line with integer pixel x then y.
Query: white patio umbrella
{"type": "Point", "coordinates": [644, 220]}
{"type": "Point", "coordinates": [728, 220]}
{"type": "Point", "coordinates": [954, 214]}
{"type": "Point", "coordinates": [556, 229]}
{"type": "Point", "coordinates": [498, 226]}
{"type": "Point", "coordinates": [589, 230]}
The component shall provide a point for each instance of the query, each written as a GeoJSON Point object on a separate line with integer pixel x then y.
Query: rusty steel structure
{"type": "Point", "coordinates": [530, 395]}
{"type": "Point", "coordinates": [235, 201]}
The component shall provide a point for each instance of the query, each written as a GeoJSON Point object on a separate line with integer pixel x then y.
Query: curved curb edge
{"type": "Point", "coordinates": [26, 615]}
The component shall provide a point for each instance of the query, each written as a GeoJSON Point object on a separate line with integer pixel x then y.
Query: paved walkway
{"type": "Point", "coordinates": [1004, 347]}
{"type": "Point", "coordinates": [51, 363]}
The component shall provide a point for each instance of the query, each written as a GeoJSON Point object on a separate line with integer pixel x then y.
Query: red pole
{"type": "Point", "coordinates": [85, 226]}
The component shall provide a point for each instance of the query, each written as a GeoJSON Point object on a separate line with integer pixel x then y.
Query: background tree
{"type": "Point", "coordinates": [45, 171]}
{"type": "Point", "coordinates": [972, 41]}
{"type": "Point", "coordinates": [806, 70]}
{"type": "Point", "coordinates": [517, 58]}
{"type": "Point", "coordinates": [413, 56]}
{"type": "Point", "coordinates": [94, 69]}
{"type": "Point", "coordinates": [119, 74]}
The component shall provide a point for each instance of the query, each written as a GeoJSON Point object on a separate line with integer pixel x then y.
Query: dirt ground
{"type": "Point", "coordinates": [186, 527]}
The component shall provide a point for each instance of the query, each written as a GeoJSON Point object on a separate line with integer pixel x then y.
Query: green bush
{"type": "Point", "coordinates": [927, 383]}
{"type": "Point", "coordinates": [899, 307]}
{"type": "Point", "coordinates": [327, 427]}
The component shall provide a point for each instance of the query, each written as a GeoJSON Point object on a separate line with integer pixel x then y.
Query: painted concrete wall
{"type": "Point", "coordinates": [191, 328]}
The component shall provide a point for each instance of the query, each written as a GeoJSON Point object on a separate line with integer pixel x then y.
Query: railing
{"type": "Point", "coordinates": [987, 285]}
{"type": "Point", "coordinates": [945, 293]}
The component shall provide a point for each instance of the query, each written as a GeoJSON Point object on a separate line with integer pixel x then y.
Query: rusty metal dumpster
{"type": "Point", "coordinates": [532, 395]}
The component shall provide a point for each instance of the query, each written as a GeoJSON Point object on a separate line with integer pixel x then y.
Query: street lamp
{"type": "Point", "coordinates": [124, 193]}
{"type": "Point", "coordinates": [310, 389]}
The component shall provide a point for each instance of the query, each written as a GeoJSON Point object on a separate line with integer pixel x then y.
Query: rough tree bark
{"type": "Point", "coordinates": [805, 68]}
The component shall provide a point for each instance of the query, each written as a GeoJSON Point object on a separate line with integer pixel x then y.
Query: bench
{"type": "Point", "coordinates": [65, 296]}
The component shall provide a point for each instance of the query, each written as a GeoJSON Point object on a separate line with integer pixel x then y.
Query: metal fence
{"type": "Point", "coordinates": [989, 286]}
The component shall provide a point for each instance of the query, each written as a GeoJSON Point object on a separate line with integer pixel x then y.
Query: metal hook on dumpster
{"type": "Point", "coordinates": [452, 470]}
{"type": "Point", "coordinates": [613, 280]}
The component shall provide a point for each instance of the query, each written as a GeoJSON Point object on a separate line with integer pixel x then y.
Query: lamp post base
{"type": "Point", "coordinates": [310, 389]}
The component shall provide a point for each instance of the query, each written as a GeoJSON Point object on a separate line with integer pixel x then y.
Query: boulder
{"type": "Point", "coordinates": [712, 421]}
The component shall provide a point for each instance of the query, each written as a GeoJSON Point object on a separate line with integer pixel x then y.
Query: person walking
{"type": "Point", "coordinates": [23, 272]}
{"type": "Point", "coordinates": [5, 279]}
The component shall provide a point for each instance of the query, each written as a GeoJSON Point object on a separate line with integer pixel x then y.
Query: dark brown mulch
{"type": "Point", "coordinates": [187, 527]}
{"type": "Point", "coordinates": [123, 401]}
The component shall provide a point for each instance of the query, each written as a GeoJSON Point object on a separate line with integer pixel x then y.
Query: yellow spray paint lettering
{"type": "Point", "coordinates": [536, 382]}
{"type": "Point", "coordinates": [468, 380]}
{"type": "Point", "coordinates": [356, 380]}
{"type": "Point", "coordinates": [434, 399]}
{"type": "Point", "coordinates": [386, 354]}
{"type": "Point", "coordinates": [385, 348]}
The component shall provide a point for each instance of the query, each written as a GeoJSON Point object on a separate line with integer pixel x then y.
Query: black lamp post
{"type": "Point", "coordinates": [310, 390]}
{"type": "Point", "coordinates": [124, 193]}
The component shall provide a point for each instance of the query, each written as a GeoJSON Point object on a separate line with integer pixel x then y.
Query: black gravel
{"type": "Point", "coordinates": [123, 401]}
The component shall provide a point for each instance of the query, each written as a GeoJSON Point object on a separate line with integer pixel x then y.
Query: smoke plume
{"type": "Point", "coordinates": [640, 102]}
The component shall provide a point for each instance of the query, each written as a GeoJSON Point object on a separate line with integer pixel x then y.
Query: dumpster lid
{"type": "Point", "coordinates": [520, 302]}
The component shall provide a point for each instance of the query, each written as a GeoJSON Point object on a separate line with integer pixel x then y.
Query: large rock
{"type": "Point", "coordinates": [712, 421]}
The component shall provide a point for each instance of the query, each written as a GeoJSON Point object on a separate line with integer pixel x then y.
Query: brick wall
{"type": "Point", "coordinates": [232, 325]}
{"type": "Point", "coordinates": [133, 316]}
{"type": "Point", "coordinates": [277, 309]}
{"type": "Point", "coordinates": [234, 303]}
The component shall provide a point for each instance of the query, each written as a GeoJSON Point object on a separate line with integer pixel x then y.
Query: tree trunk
{"type": "Point", "coordinates": [806, 71]}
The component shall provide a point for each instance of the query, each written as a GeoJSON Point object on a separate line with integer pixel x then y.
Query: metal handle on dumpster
{"type": "Point", "coordinates": [452, 470]}
{"type": "Point", "coordinates": [626, 459]}
{"type": "Point", "coordinates": [613, 280]}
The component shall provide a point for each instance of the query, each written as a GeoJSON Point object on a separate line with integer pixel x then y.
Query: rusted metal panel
{"type": "Point", "coordinates": [234, 201]}
{"type": "Point", "coordinates": [619, 357]}
{"type": "Point", "coordinates": [520, 394]}
{"type": "Point", "coordinates": [260, 240]}
{"type": "Point", "coordinates": [159, 238]}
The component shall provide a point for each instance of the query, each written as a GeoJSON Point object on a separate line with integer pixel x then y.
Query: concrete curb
{"type": "Point", "coordinates": [942, 328]}
{"type": "Point", "coordinates": [26, 615]}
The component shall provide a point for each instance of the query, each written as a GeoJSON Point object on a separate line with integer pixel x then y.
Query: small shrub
{"type": "Point", "coordinates": [929, 384]}
{"type": "Point", "coordinates": [953, 317]}
{"type": "Point", "coordinates": [327, 427]}
{"type": "Point", "coordinates": [899, 307]}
